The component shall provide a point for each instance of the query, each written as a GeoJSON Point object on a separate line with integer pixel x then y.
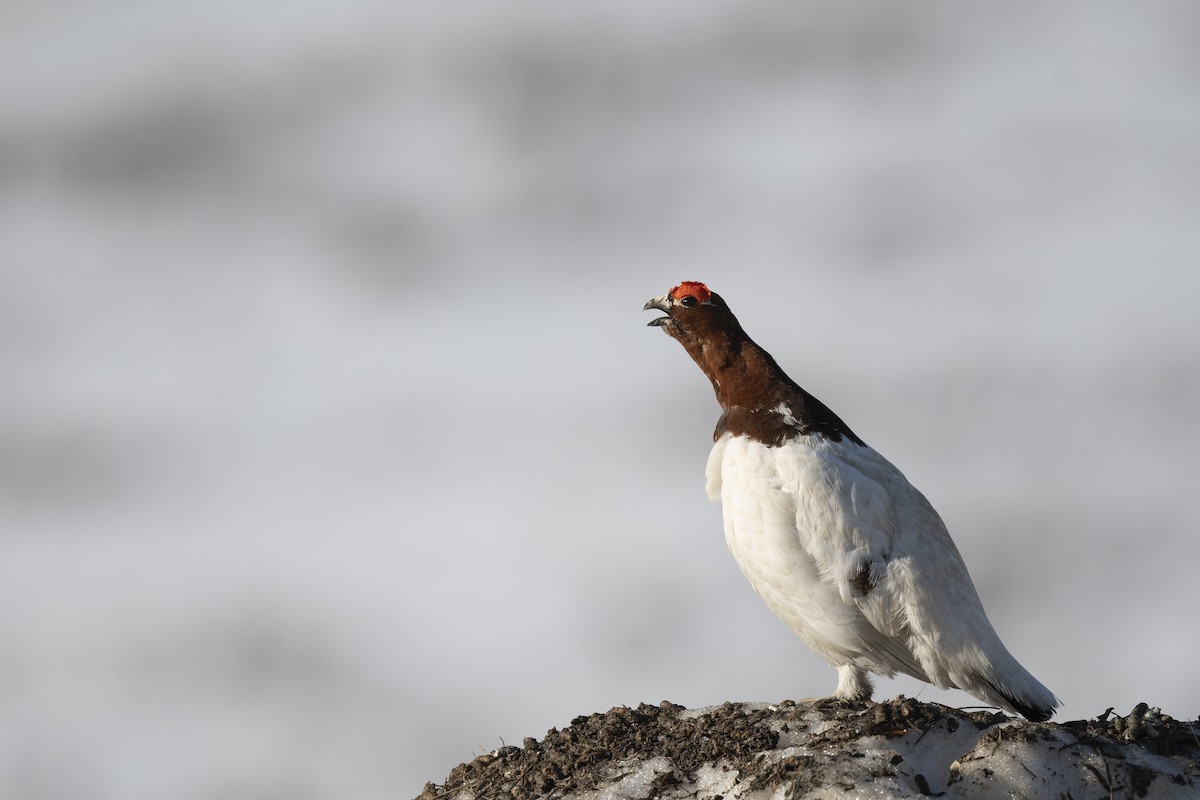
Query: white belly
{"type": "Point", "coordinates": [762, 533]}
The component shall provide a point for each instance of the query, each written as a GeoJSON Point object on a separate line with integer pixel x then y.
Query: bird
{"type": "Point", "coordinates": [832, 536]}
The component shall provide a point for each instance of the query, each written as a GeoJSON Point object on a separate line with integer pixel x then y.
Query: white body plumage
{"type": "Point", "coordinates": [856, 561]}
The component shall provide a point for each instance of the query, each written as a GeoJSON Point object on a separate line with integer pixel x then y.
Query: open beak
{"type": "Point", "coordinates": [660, 303]}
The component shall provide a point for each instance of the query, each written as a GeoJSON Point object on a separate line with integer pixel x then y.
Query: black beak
{"type": "Point", "coordinates": [661, 303]}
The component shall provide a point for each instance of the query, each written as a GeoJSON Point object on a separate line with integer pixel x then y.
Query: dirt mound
{"type": "Point", "coordinates": [904, 747]}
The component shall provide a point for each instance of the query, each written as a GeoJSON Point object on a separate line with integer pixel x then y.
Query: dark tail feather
{"type": "Point", "coordinates": [1031, 713]}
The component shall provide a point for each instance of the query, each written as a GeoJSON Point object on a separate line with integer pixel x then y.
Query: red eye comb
{"type": "Point", "coordinates": [694, 288]}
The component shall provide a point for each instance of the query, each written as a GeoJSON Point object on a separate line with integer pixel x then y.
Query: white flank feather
{"type": "Point", "coordinates": [857, 562]}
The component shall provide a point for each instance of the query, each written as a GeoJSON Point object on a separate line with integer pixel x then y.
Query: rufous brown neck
{"type": "Point", "coordinates": [757, 397]}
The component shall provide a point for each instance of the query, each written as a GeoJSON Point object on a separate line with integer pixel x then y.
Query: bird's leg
{"type": "Point", "coordinates": [854, 684]}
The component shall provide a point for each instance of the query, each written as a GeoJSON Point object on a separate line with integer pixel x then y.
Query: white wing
{"type": "Point", "coordinates": [848, 553]}
{"type": "Point", "coordinates": [856, 560]}
{"type": "Point", "coordinates": [888, 553]}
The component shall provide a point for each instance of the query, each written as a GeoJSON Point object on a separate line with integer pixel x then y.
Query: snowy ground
{"type": "Point", "coordinates": [334, 449]}
{"type": "Point", "coordinates": [890, 750]}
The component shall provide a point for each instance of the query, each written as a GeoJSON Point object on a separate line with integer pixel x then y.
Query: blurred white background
{"type": "Point", "coordinates": [334, 450]}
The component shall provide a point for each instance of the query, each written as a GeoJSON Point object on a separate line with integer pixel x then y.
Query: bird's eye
{"type": "Point", "coordinates": [687, 301]}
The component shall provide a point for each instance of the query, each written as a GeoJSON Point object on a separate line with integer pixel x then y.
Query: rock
{"type": "Point", "coordinates": [825, 749]}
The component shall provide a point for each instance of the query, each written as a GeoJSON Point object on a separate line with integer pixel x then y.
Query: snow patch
{"type": "Point", "coordinates": [642, 780]}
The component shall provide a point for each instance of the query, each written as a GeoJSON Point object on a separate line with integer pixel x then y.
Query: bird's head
{"type": "Point", "coordinates": [693, 313]}
{"type": "Point", "coordinates": [740, 371]}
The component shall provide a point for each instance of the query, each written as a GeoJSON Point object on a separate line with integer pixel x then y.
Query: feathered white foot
{"type": "Point", "coordinates": [854, 684]}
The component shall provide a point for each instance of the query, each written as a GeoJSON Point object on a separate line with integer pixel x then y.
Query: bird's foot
{"type": "Point", "coordinates": [854, 684]}
{"type": "Point", "coordinates": [831, 702]}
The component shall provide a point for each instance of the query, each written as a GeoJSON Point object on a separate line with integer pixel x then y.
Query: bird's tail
{"type": "Point", "coordinates": [1014, 689]}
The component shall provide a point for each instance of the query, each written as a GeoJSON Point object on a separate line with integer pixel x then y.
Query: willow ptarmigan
{"type": "Point", "coordinates": [832, 536]}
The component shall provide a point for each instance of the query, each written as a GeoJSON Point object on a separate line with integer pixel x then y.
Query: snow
{"type": "Point", "coordinates": [879, 768]}
{"type": "Point", "coordinates": [333, 446]}
{"type": "Point", "coordinates": [633, 781]}
{"type": "Point", "coordinates": [1059, 765]}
